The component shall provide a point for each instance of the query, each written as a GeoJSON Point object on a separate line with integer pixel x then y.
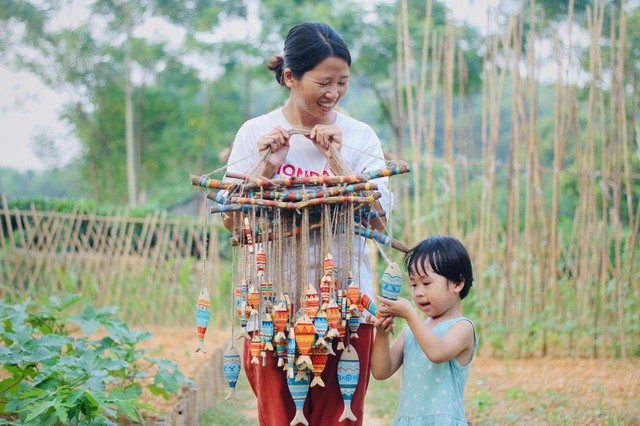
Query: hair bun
{"type": "Point", "coordinates": [276, 64]}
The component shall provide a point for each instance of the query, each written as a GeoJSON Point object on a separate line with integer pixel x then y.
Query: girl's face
{"type": "Point", "coordinates": [318, 91]}
{"type": "Point", "coordinates": [433, 294]}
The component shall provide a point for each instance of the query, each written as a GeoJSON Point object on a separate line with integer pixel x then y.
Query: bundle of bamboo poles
{"type": "Point", "coordinates": [553, 232]}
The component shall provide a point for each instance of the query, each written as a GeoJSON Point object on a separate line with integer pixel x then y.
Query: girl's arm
{"type": "Point", "coordinates": [456, 343]}
{"type": "Point", "coordinates": [384, 360]}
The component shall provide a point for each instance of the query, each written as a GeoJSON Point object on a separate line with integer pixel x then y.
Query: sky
{"type": "Point", "coordinates": [28, 108]}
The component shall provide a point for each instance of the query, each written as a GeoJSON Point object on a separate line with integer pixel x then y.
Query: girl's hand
{"type": "Point", "coordinates": [383, 325]}
{"type": "Point", "coordinates": [278, 140]}
{"type": "Point", "coordinates": [325, 135]}
{"type": "Point", "coordinates": [394, 308]}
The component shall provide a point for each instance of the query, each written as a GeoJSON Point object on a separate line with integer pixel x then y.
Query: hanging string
{"type": "Point", "coordinates": [205, 240]}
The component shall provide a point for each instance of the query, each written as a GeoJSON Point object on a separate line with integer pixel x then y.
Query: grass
{"type": "Point", "coordinates": [231, 412]}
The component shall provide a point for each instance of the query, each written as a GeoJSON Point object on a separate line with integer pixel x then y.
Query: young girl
{"type": "Point", "coordinates": [436, 352]}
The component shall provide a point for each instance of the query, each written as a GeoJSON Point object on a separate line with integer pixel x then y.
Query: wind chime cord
{"type": "Point", "coordinates": [205, 240]}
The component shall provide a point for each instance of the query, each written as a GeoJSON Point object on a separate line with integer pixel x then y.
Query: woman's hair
{"type": "Point", "coordinates": [306, 45]}
{"type": "Point", "coordinates": [447, 257]}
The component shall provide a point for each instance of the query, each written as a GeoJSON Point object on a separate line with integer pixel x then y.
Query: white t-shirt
{"type": "Point", "coordinates": [361, 149]}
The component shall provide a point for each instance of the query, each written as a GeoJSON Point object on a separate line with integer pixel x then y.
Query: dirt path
{"type": "Point", "coordinates": [499, 392]}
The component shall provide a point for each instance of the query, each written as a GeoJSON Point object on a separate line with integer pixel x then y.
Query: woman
{"type": "Point", "coordinates": [315, 69]}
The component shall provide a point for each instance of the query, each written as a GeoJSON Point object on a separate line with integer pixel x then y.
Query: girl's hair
{"type": "Point", "coordinates": [306, 45]}
{"type": "Point", "coordinates": [447, 257]}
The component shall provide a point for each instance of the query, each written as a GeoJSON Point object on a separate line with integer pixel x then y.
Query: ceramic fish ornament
{"type": "Point", "coordinates": [243, 321]}
{"type": "Point", "coordinates": [330, 346]}
{"type": "Point", "coordinates": [353, 291]}
{"type": "Point", "coordinates": [280, 321]}
{"type": "Point", "coordinates": [342, 328]}
{"type": "Point", "coordinates": [203, 313]}
{"type": "Point", "coordinates": [299, 388]}
{"type": "Point", "coordinates": [253, 297]}
{"type": "Point", "coordinates": [247, 232]}
{"type": "Point", "coordinates": [238, 299]}
{"type": "Point", "coordinates": [231, 366]}
{"type": "Point", "coordinates": [333, 318]}
{"type": "Point", "coordinates": [348, 375]}
{"type": "Point", "coordinates": [354, 324]}
{"type": "Point", "coordinates": [291, 352]}
{"type": "Point", "coordinates": [312, 302]}
{"type": "Point", "coordinates": [281, 350]}
{"type": "Point", "coordinates": [325, 290]}
{"type": "Point", "coordinates": [321, 324]}
{"type": "Point", "coordinates": [391, 281]}
{"type": "Point", "coordinates": [343, 310]}
{"type": "Point", "coordinates": [319, 360]}
{"type": "Point", "coordinates": [305, 334]}
{"type": "Point", "coordinates": [267, 330]}
{"type": "Point", "coordinates": [263, 350]}
{"type": "Point", "coordinates": [256, 346]}
{"type": "Point", "coordinates": [369, 305]}
{"type": "Point", "coordinates": [261, 260]}
{"type": "Point", "coordinates": [327, 265]}
{"type": "Point", "coordinates": [266, 289]}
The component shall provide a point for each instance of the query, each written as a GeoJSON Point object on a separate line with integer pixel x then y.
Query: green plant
{"type": "Point", "coordinates": [52, 376]}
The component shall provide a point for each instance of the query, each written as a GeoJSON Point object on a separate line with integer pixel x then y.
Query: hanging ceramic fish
{"type": "Point", "coordinates": [247, 232]}
{"type": "Point", "coordinates": [342, 327]}
{"type": "Point", "coordinates": [333, 318]}
{"type": "Point", "coordinates": [281, 350]}
{"type": "Point", "coordinates": [343, 310]}
{"type": "Point", "coordinates": [330, 346]}
{"type": "Point", "coordinates": [231, 366]}
{"type": "Point", "coordinates": [291, 352]}
{"type": "Point", "coordinates": [321, 324]}
{"type": "Point", "coordinates": [327, 265]}
{"type": "Point", "coordinates": [263, 350]}
{"type": "Point", "coordinates": [369, 304]}
{"type": "Point", "coordinates": [261, 260]}
{"type": "Point", "coordinates": [246, 311]}
{"type": "Point", "coordinates": [353, 291]}
{"type": "Point", "coordinates": [203, 313]}
{"type": "Point", "coordinates": [266, 289]}
{"type": "Point", "coordinates": [290, 306]}
{"type": "Point", "coordinates": [255, 347]}
{"type": "Point", "coordinates": [305, 334]}
{"type": "Point", "coordinates": [354, 324]}
{"type": "Point", "coordinates": [299, 388]}
{"type": "Point", "coordinates": [253, 297]}
{"type": "Point", "coordinates": [391, 281]}
{"type": "Point", "coordinates": [325, 290]}
{"type": "Point", "coordinates": [280, 321]}
{"type": "Point", "coordinates": [319, 360]}
{"type": "Point", "coordinates": [312, 302]}
{"type": "Point", "coordinates": [267, 330]}
{"type": "Point", "coordinates": [348, 375]}
{"type": "Point", "coordinates": [238, 299]}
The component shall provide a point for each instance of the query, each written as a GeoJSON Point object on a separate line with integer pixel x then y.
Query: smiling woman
{"type": "Point", "coordinates": [304, 138]}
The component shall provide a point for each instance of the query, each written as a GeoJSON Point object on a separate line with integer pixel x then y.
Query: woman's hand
{"type": "Point", "coordinates": [325, 135]}
{"type": "Point", "coordinates": [278, 140]}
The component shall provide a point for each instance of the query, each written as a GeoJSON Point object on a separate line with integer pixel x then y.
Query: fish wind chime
{"type": "Point", "coordinates": [296, 291]}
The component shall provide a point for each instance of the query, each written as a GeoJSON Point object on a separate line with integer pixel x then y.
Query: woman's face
{"type": "Point", "coordinates": [318, 91]}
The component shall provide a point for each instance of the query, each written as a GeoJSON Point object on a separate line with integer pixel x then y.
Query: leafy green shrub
{"type": "Point", "coordinates": [52, 377]}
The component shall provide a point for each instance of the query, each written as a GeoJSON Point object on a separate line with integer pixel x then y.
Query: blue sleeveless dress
{"type": "Point", "coordinates": [432, 394]}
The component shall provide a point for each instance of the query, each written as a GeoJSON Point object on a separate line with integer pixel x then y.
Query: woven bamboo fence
{"type": "Point", "coordinates": [151, 267]}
